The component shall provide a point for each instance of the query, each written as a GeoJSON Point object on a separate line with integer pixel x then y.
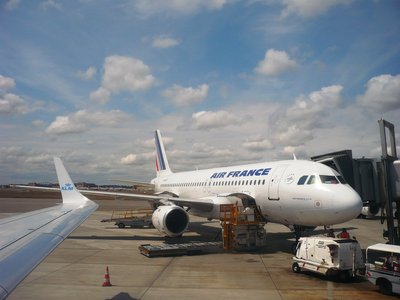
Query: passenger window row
{"type": "Point", "coordinates": [216, 183]}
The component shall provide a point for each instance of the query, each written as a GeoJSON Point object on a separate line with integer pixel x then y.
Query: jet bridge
{"type": "Point", "coordinates": [376, 180]}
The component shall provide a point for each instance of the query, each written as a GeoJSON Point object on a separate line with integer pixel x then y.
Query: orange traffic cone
{"type": "Point", "coordinates": [107, 278]}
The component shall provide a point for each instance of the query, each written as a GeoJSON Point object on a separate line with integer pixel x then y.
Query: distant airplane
{"type": "Point", "coordinates": [26, 239]}
{"type": "Point", "coordinates": [296, 193]}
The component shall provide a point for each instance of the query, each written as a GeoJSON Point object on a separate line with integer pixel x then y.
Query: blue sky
{"type": "Point", "coordinates": [226, 81]}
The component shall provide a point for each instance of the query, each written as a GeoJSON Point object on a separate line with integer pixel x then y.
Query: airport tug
{"type": "Point", "coordinates": [329, 256]}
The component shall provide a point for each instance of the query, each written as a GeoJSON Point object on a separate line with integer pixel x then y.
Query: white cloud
{"type": "Point", "coordinates": [294, 136]}
{"type": "Point", "coordinates": [12, 5]}
{"type": "Point", "coordinates": [275, 63]}
{"type": "Point", "coordinates": [81, 120]}
{"type": "Point", "coordinates": [6, 82]}
{"type": "Point", "coordinates": [308, 108]}
{"type": "Point", "coordinates": [164, 42]}
{"type": "Point", "coordinates": [38, 123]}
{"type": "Point", "coordinates": [65, 124]}
{"type": "Point", "coordinates": [101, 95]}
{"type": "Point", "coordinates": [257, 145]}
{"type": "Point", "coordinates": [214, 119]}
{"type": "Point", "coordinates": [129, 159]}
{"type": "Point", "coordinates": [13, 104]}
{"type": "Point", "coordinates": [87, 74]}
{"type": "Point", "coordinates": [126, 73]}
{"type": "Point", "coordinates": [122, 73]}
{"type": "Point", "coordinates": [51, 4]}
{"type": "Point", "coordinates": [39, 158]}
{"type": "Point", "coordinates": [149, 143]}
{"type": "Point", "coordinates": [296, 124]}
{"type": "Point", "coordinates": [147, 8]}
{"type": "Point", "coordinates": [299, 151]}
{"type": "Point", "coordinates": [310, 8]}
{"type": "Point", "coordinates": [382, 94]}
{"type": "Point", "coordinates": [182, 96]}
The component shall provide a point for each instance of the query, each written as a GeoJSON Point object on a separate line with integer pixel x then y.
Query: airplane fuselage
{"type": "Point", "coordinates": [291, 192]}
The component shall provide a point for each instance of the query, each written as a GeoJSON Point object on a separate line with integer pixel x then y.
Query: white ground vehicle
{"type": "Point", "coordinates": [383, 267]}
{"type": "Point", "coordinates": [329, 256]}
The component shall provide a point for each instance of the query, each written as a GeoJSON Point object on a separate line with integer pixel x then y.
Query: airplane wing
{"type": "Point", "coordinates": [26, 239]}
{"type": "Point", "coordinates": [143, 185]}
{"type": "Point", "coordinates": [201, 204]}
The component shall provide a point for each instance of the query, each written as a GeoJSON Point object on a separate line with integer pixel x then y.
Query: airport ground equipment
{"type": "Point", "coordinates": [179, 249]}
{"type": "Point", "coordinates": [242, 227]}
{"type": "Point", "coordinates": [383, 267]}
{"type": "Point", "coordinates": [131, 218]}
{"type": "Point", "coordinates": [329, 256]}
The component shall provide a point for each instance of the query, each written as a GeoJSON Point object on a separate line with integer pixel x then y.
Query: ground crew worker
{"type": "Point", "coordinates": [344, 234]}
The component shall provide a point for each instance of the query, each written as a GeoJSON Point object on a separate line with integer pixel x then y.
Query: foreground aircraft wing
{"type": "Point", "coordinates": [26, 239]}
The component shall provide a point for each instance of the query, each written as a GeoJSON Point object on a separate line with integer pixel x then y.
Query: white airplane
{"type": "Point", "coordinates": [26, 239]}
{"type": "Point", "coordinates": [295, 193]}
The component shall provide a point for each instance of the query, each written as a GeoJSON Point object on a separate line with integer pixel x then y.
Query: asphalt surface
{"type": "Point", "coordinates": [75, 270]}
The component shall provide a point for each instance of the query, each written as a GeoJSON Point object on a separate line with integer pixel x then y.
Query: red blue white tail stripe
{"type": "Point", "coordinates": [161, 163]}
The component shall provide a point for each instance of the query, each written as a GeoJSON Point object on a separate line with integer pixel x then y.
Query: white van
{"type": "Point", "coordinates": [383, 267]}
{"type": "Point", "coordinates": [329, 256]}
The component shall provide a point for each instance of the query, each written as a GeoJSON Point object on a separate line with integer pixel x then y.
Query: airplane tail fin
{"type": "Point", "coordinates": [68, 190]}
{"type": "Point", "coordinates": [162, 166]}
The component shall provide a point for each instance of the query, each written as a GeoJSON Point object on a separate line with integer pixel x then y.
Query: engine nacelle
{"type": "Point", "coordinates": [171, 220]}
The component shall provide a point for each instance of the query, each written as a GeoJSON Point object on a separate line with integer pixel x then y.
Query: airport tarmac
{"type": "Point", "coordinates": [75, 270]}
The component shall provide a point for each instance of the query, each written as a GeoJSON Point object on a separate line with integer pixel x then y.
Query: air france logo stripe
{"type": "Point", "coordinates": [160, 157]}
{"type": "Point", "coordinates": [157, 167]}
{"type": "Point", "coordinates": [242, 173]}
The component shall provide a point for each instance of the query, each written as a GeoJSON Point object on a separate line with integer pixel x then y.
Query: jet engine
{"type": "Point", "coordinates": [172, 220]}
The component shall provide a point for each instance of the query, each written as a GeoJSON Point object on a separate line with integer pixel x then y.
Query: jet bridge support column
{"type": "Point", "coordinates": [388, 157]}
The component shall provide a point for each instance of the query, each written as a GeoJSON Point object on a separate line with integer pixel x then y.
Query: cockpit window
{"type": "Point", "coordinates": [328, 179]}
{"type": "Point", "coordinates": [302, 180]}
{"type": "Point", "coordinates": [311, 180]}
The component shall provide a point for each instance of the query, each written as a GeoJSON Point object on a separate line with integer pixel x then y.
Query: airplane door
{"type": "Point", "coordinates": [273, 190]}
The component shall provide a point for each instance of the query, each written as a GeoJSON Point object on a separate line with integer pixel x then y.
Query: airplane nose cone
{"type": "Point", "coordinates": [347, 204]}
